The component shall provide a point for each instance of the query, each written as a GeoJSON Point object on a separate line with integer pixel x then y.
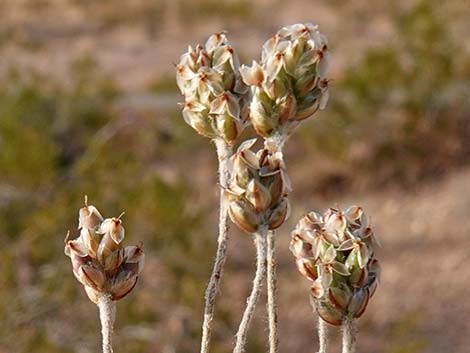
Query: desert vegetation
{"type": "Point", "coordinates": [88, 105]}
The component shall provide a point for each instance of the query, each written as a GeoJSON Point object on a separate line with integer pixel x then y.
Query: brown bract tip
{"type": "Point", "coordinates": [202, 76]}
{"type": "Point", "coordinates": [116, 221]}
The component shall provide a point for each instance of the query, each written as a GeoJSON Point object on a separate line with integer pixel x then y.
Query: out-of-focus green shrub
{"type": "Point", "coordinates": [59, 142]}
{"type": "Point", "coordinates": [400, 113]}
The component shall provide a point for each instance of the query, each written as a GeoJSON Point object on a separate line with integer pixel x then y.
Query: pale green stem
{"type": "Point", "coordinates": [322, 335]}
{"type": "Point", "coordinates": [349, 335]}
{"type": "Point", "coordinates": [271, 284]}
{"type": "Point", "coordinates": [275, 143]}
{"type": "Point", "coordinates": [223, 153]}
{"type": "Point", "coordinates": [107, 308]}
{"type": "Point", "coordinates": [260, 241]}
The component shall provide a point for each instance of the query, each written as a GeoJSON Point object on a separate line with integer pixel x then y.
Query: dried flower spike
{"type": "Point", "coordinates": [258, 189]}
{"type": "Point", "coordinates": [215, 96]}
{"type": "Point", "coordinates": [107, 270]}
{"type": "Point", "coordinates": [336, 252]}
{"type": "Point", "coordinates": [289, 85]}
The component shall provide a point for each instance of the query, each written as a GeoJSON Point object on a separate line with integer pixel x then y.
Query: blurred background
{"type": "Point", "coordinates": [88, 105]}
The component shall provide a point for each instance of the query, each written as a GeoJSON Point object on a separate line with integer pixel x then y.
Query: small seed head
{"type": "Point", "coordinates": [290, 82]}
{"type": "Point", "coordinates": [258, 188]}
{"type": "Point", "coordinates": [335, 252]}
{"type": "Point", "coordinates": [216, 97]}
{"type": "Point", "coordinates": [99, 261]}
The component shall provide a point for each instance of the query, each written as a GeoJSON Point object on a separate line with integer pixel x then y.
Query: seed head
{"type": "Point", "coordinates": [99, 261]}
{"type": "Point", "coordinates": [335, 252]}
{"type": "Point", "coordinates": [215, 96]}
{"type": "Point", "coordinates": [289, 85]}
{"type": "Point", "coordinates": [258, 188]}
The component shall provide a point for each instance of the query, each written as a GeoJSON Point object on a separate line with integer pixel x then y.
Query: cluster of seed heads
{"type": "Point", "coordinates": [215, 96]}
{"type": "Point", "coordinates": [287, 86]}
{"type": "Point", "coordinates": [290, 83]}
{"type": "Point", "coordinates": [335, 252]}
{"type": "Point", "coordinates": [258, 188]}
{"type": "Point", "coordinates": [99, 260]}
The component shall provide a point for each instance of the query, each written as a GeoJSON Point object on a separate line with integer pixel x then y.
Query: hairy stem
{"type": "Point", "coordinates": [349, 335]}
{"type": "Point", "coordinates": [322, 335]}
{"type": "Point", "coordinates": [107, 308]}
{"type": "Point", "coordinates": [260, 241]}
{"type": "Point", "coordinates": [274, 143]}
{"type": "Point", "coordinates": [272, 283]}
{"type": "Point", "coordinates": [223, 153]}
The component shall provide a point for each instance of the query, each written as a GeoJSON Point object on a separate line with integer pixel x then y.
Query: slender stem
{"type": "Point", "coordinates": [223, 153]}
{"type": "Point", "coordinates": [260, 241]}
{"type": "Point", "coordinates": [274, 143]}
{"type": "Point", "coordinates": [349, 335]}
{"type": "Point", "coordinates": [322, 335]}
{"type": "Point", "coordinates": [107, 308]}
{"type": "Point", "coordinates": [272, 284]}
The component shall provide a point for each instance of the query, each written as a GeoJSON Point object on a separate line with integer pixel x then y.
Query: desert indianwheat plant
{"type": "Point", "coordinates": [335, 250]}
{"type": "Point", "coordinates": [107, 270]}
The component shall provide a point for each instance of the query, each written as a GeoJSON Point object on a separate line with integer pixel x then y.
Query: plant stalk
{"type": "Point", "coordinates": [107, 308]}
{"type": "Point", "coordinates": [272, 286]}
{"type": "Point", "coordinates": [274, 143]}
{"type": "Point", "coordinates": [224, 152]}
{"type": "Point", "coordinates": [260, 241]}
{"type": "Point", "coordinates": [322, 335]}
{"type": "Point", "coordinates": [349, 335]}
